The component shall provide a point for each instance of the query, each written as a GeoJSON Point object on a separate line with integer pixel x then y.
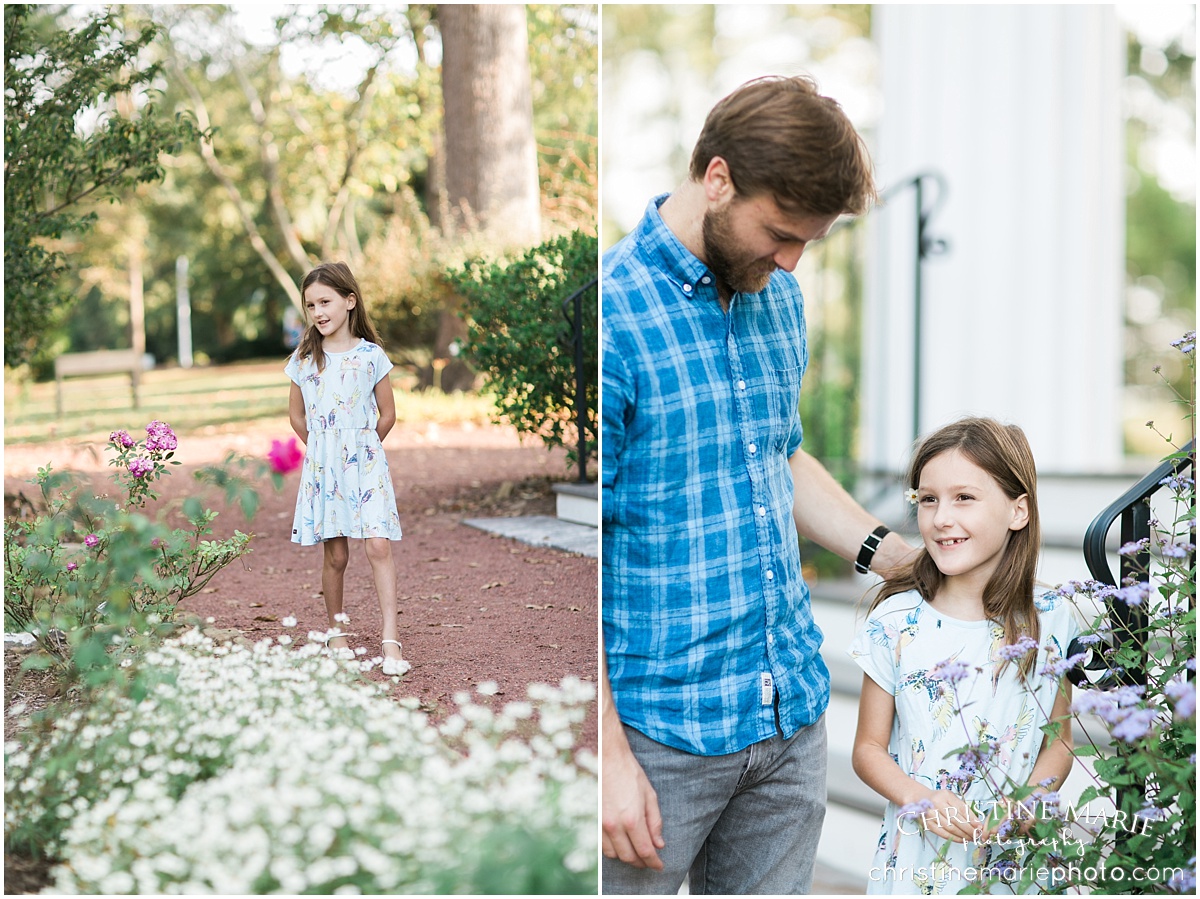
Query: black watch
{"type": "Point", "coordinates": [863, 563]}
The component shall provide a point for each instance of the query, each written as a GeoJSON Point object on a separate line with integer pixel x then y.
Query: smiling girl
{"type": "Point", "coordinates": [959, 651]}
{"type": "Point", "coordinates": [341, 406]}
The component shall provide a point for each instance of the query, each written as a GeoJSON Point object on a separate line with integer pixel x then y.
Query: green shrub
{"type": "Point", "coordinates": [267, 769]}
{"type": "Point", "coordinates": [519, 336]}
{"type": "Point", "coordinates": [93, 579]}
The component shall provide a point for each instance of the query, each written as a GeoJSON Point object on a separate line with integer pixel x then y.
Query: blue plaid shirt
{"type": "Point", "coordinates": [707, 620]}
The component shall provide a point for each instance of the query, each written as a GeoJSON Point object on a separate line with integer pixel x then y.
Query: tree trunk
{"type": "Point", "coordinates": [490, 154]}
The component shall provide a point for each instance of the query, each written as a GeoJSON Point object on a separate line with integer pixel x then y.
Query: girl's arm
{"type": "Point", "coordinates": [385, 400]}
{"type": "Point", "coordinates": [1055, 758]}
{"type": "Point", "coordinates": [1053, 762]}
{"type": "Point", "coordinates": [949, 816]}
{"type": "Point", "coordinates": [296, 413]}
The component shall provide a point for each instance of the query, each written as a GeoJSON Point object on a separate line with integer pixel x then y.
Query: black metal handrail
{"type": "Point", "coordinates": [1133, 509]}
{"type": "Point", "coordinates": [572, 308]}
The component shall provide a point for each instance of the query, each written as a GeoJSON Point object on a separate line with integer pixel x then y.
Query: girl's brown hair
{"type": "Point", "coordinates": [338, 276]}
{"type": "Point", "coordinates": [1004, 453]}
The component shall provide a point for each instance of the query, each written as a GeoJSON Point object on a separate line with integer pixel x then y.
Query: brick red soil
{"type": "Point", "coordinates": [473, 607]}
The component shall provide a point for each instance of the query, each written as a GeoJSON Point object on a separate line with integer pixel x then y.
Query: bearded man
{"type": "Point", "coordinates": [712, 687]}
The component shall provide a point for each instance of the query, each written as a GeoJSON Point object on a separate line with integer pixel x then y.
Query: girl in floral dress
{"type": "Point", "coordinates": [341, 406]}
{"type": "Point", "coordinates": [960, 652]}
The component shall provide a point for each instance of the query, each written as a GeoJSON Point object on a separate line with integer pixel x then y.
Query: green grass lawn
{"type": "Point", "coordinates": [191, 399]}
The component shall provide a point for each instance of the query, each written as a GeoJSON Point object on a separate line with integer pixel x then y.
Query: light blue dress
{"type": "Point", "coordinates": [900, 647]}
{"type": "Point", "coordinates": [345, 486]}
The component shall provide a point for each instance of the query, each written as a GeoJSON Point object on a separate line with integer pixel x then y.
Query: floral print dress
{"type": "Point", "coordinates": [912, 651]}
{"type": "Point", "coordinates": [345, 486]}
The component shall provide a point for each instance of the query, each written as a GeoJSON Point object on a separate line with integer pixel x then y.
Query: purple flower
{"type": "Point", "coordinates": [160, 437]}
{"type": "Point", "coordinates": [1137, 546]}
{"type": "Point", "coordinates": [1089, 639]}
{"type": "Point", "coordinates": [1178, 482]}
{"type": "Point", "coordinates": [1133, 595]}
{"type": "Point", "coordinates": [1184, 882]}
{"type": "Point", "coordinates": [1183, 697]}
{"type": "Point", "coordinates": [1004, 869]}
{"type": "Point", "coordinates": [1150, 813]}
{"type": "Point", "coordinates": [1059, 667]}
{"type": "Point", "coordinates": [91, 541]}
{"type": "Point", "coordinates": [1186, 344]}
{"type": "Point", "coordinates": [71, 566]}
{"type": "Point", "coordinates": [121, 438]}
{"type": "Point", "coordinates": [1108, 705]}
{"type": "Point", "coordinates": [140, 466]}
{"type": "Point", "coordinates": [1019, 649]}
{"type": "Point", "coordinates": [1173, 550]}
{"type": "Point", "coordinates": [1133, 724]}
{"type": "Point", "coordinates": [915, 809]}
{"type": "Point", "coordinates": [950, 671]}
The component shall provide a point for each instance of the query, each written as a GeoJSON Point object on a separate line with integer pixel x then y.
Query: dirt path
{"type": "Point", "coordinates": [474, 607]}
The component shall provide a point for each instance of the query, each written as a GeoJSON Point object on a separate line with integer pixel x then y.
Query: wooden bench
{"type": "Point", "coordinates": [100, 362]}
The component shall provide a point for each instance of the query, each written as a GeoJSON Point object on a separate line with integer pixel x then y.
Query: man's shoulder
{"type": "Point", "coordinates": [629, 276]}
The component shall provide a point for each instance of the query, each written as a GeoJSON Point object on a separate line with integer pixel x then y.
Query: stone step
{"type": "Point", "coordinates": [577, 502]}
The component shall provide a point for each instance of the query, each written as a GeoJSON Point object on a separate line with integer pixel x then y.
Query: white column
{"type": "Point", "coordinates": [183, 312]}
{"type": "Point", "coordinates": [1018, 107]}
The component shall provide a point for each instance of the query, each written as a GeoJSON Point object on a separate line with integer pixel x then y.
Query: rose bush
{"type": "Point", "coordinates": [94, 578]}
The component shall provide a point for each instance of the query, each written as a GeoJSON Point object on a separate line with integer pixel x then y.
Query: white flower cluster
{"type": "Point", "coordinates": [270, 770]}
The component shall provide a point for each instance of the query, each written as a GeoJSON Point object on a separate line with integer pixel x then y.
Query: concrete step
{"type": "Point", "coordinates": [577, 503]}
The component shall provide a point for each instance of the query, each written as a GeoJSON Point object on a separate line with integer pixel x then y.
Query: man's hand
{"type": "Point", "coordinates": [632, 821]}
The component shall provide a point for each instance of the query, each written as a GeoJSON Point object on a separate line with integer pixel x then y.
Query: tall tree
{"type": "Point", "coordinates": [490, 154]}
{"type": "Point", "coordinates": [66, 145]}
{"type": "Point", "coordinates": [257, 187]}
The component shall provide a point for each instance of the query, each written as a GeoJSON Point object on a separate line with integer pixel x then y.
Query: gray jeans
{"type": "Point", "coordinates": [738, 824]}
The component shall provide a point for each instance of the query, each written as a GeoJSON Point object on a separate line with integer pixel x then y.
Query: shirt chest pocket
{"type": "Point", "coordinates": [773, 384]}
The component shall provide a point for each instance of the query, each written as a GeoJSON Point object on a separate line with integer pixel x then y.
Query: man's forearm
{"type": "Point", "coordinates": [826, 514]}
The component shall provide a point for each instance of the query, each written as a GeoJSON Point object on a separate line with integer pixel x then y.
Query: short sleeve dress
{"type": "Point", "coordinates": [900, 647]}
{"type": "Point", "coordinates": [345, 486]}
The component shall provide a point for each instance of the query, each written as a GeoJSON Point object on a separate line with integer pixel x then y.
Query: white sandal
{"type": "Point", "coordinates": [341, 652]}
{"type": "Point", "coordinates": [393, 667]}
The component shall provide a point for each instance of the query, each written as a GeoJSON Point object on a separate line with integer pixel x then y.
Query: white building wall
{"type": "Point", "coordinates": [1017, 106]}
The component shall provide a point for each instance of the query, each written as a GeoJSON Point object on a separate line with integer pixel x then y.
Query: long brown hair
{"type": "Point", "coordinates": [338, 276]}
{"type": "Point", "coordinates": [1003, 452]}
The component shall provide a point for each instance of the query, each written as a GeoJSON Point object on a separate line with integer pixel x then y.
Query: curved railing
{"type": "Point", "coordinates": [1133, 510]}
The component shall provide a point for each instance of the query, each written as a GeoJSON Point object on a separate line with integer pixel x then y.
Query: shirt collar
{"type": "Point", "coordinates": [665, 250]}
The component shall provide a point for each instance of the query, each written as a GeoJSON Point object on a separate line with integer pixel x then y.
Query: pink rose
{"type": "Point", "coordinates": [160, 437]}
{"type": "Point", "coordinates": [91, 541]}
{"type": "Point", "coordinates": [140, 467]}
{"type": "Point", "coordinates": [285, 457]}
